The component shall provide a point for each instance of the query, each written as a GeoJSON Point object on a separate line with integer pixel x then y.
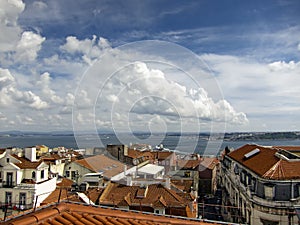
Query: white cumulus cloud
{"type": "Point", "coordinates": [10, 30]}
{"type": "Point", "coordinates": [5, 78]}
{"type": "Point", "coordinates": [28, 46]}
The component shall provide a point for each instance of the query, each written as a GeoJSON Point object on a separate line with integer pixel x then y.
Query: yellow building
{"type": "Point", "coordinates": [41, 150]}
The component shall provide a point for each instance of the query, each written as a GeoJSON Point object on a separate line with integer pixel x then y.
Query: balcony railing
{"type": "Point", "coordinates": [15, 206]}
{"type": "Point", "coordinates": [8, 184]}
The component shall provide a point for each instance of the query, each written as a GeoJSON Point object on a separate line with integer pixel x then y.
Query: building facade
{"type": "Point", "coordinates": [261, 185]}
{"type": "Point", "coordinates": [25, 181]}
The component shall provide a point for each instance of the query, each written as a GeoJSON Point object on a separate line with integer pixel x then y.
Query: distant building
{"type": "Point", "coordinates": [261, 184]}
{"type": "Point", "coordinates": [187, 170]}
{"type": "Point", "coordinates": [154, 198]}
{"type": "Point", "coordinates": [208, 170]}
{"type": "Point", "coordinates": [41, 150]}
{"type": "Point", "coordinates": [100, 165]}
{"type": "Point", "coordinates": [56, 162]}
{"type": "Point", "coordinates": [143, 153]}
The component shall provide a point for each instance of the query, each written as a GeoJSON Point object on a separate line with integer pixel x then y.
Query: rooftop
{"type": "Point", "coordinates": [26, 163]}
{"type": "Point", "coordinates": [275, 163]}
{"type": "Point", "coordinates": [102, 163]}
{"type": "Point", "coordinates": [115, 194]}
{"type": "Point", "coordinates": [76, 213]}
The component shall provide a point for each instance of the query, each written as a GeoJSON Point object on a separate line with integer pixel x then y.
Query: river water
{"type": "Point", "coordinates": [188, 143]}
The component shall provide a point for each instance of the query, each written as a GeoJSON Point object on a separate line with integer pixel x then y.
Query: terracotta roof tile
{"type": "Point", "coordinates": [25, 163]}
{"type": "Point", "coordinates": [115, 193]}
{"type": "Point", "coordinates": [188, 164]}
{"type": "Point", "coordinates": [209, 163]}
{"type": "Point", "coordinates": [70, 213]}
{"type": "Point", "coordinates": [284, 170]}
{"type": "Point", "coordinates": [64, 195]}
{"type": "Point", "coordinates": [183, 185]}
{"type": "Point", "coordinates": [268, 163]}
{"type": "Point", "coordinates": [65, 183]}
{"type": "Point", "coordinates": [259, 163]}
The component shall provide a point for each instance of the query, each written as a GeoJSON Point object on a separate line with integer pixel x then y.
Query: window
{"type": "Point", "coordinates": [73, 175]}
{"type": "Point", "coordinates": [33, 175]}
{"type": "Point", "coordinates": [67, 173]}
{"type": "Point", "coordinates": [269, 191]}
{"type": "Point", "coordinates": [42, 174]}
{"type": "Point", "coordinates": [187, 174]}
{"type": "Point", "coordinates": [22, 200]}
{"type": "Point", "coordinates": [8, 198]}
{"type": "Point", "coordinates": [7, 160]}
{"type": "Point", "coordinates": [9, 179]}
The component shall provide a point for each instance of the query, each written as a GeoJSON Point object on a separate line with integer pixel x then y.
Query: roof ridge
{"type": "Point", "coordinates": [277, 167]}
{"type": "Point", "coordinates": [174, 194]}
{"type": "Point", "coordinates": [106, 191]}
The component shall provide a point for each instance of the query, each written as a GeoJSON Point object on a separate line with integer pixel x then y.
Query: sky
{"type": "Point", "coordinates": [151, 65]}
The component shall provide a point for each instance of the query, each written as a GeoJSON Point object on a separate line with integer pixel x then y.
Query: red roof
{"type": "Point", "coordinates": [26, 163]}
{"type": "Point", "coordinates": [267, 162]}
{"type": "Point", "coordinates": [153, 195]}
{"type": "Point", "coordinates": [72, 213]}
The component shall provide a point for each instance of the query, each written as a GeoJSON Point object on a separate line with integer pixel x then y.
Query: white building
{"type": "Point", "coordinates": [25, 182]}
{"type": "Point", "coordinates": [143, 174]}
{"type": "Point", "coordinates": [100, 165]}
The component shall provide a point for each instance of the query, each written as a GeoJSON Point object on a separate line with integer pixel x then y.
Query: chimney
{"type": "Point", "coordinates": [125, 170]}
{"type": "Point", "coordinates": [8, 151]}
{"type": "Point", "coordinates": [168, 182]}
{"type": "Point", "coordinates": [30, 153]}
{"type": "Point", "coordinates": [129, 180]}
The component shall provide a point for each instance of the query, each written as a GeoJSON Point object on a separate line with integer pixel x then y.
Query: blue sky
{"type": "Point", "coordinates": [48, 50]}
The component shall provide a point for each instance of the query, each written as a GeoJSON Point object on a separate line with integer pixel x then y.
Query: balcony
{"type": "Point", "coordinates": [8, 184]}
{"type": "Point", "coordinates": [272, 203]}
{"type": "Point", "coordinates": [15, 206]}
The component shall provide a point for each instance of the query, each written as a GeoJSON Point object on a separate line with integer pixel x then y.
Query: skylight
{"type": "Point", "coordinates": [252, 153]}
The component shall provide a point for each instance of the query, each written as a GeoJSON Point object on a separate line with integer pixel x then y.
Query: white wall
{"type": "Point", "coordinates": [43, 190]}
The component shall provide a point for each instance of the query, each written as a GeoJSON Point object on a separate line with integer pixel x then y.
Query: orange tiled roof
{"type": "Point", "coordinates": [25, 163]}
{"type": "Point", "coordinates": [132, 153]}
{"type": "Point", "coordinates": [63, 193]}
{"type": "Point", "coordinates": [155, 154]}
{"type": "Point", "coordinates": [71, 213]}
{"type": "Point", "coordinates": [283, 170]}
{"type": "Point", "coordinates": [52, 157]}
{"type": "Point", "coordinates": [163, 155]}
{"type": "Point", "coordinates": [208, 162]}
{"type": "Point", "coordinates": [67, 183]}
{"type": "Point", "coordinates": [188, 164]}
{"type": "Point", "coordinates": [97, 163]}
{"type": "Point", "coordinates": [183, 185]}
{"type": "Point", "coordinates": [59, 194]}
{"type": "Point", "coordinates": [259, 163]}
{"type": "Point", "coordinates": [115, 193]}
{"type": "Point", "coordinates": [266, 164]}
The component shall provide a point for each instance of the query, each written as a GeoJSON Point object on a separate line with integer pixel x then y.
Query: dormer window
{"type": "Point", "coordinates": [7, 160]}
{"type": "Point", "coordinates": [42, 174]}
{"type": "Point", "coordinates": [33, 175]}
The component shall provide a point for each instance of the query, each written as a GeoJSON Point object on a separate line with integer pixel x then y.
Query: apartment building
{"type": "Point", "coordinates": [25, 181]}
{"type": "Point", "coordinates": [261, 184]}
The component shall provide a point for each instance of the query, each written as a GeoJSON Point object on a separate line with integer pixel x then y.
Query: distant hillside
{"type": "Point", "coordinates": [254, 136]}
